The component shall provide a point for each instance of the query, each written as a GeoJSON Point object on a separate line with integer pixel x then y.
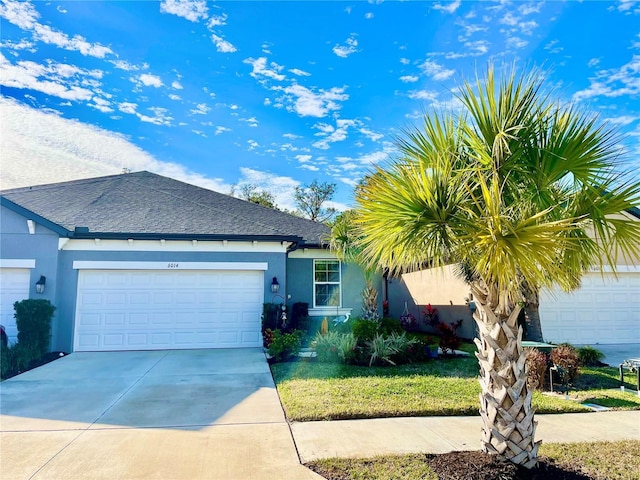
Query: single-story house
{"type": "Point", "coordinates": [139, 261]}
{"type": "Point", "coordinates": [604, 310]}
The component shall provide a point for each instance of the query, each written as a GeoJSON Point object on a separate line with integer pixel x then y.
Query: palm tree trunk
{"type": "Point", "coordinates": [532, 313]}
{"type": "Point", "coordinates": [508, 428]}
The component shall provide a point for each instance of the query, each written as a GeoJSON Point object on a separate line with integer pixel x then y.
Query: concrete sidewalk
{"type": "Point", "coordinates": [366, 438]}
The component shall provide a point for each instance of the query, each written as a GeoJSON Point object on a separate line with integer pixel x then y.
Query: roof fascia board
{"type": "Point", "coordinates": [20, 210]}
{"type": "Point", "coordinates": [84, 235]}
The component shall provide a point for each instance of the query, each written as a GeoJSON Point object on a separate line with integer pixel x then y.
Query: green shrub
{"type": "Point", "coordinates": [402, 344]}
{"type": "Point", "coordinates": [390, 325]}
{"type": "Point", "coordinates": [566, 357]}
{"type": "Point", "coordinates": [347, 347]}
{"type": "Point", "coordinates": [365, 330]}
{"type": "Point", "coordinates": [381, 350]}
{"type": "Point", "coordinates": [589, 356]}
{"type": "Point", "coordinates": [285, 346]}
{"type": "Point", "coordinates": [33, 319]}
{"type": "Point", "coordinates": [327, 347]}
{"type": "Point", "coordinates": [342, 327]}
{"type": "Point", "coordinates": [537, 367]}
{"type": "Point", "coordinates": [17, 358]}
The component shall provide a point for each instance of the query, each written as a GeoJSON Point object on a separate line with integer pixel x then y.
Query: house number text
{"type": "Point", "coordinates": [172, 265]}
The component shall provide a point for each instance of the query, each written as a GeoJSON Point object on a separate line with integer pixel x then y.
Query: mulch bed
{"type": "Point", "coordinates": [481, 466]}
{"type": "Point", "coordinates": [49, 357]}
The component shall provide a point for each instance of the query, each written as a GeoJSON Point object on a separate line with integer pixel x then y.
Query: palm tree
{"type": "Point", "coordinates": [522, 190]}
{"type": "Point", "coordinates": [343, 241]}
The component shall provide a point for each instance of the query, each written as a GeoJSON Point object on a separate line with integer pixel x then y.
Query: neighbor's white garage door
{"type": "Point", "coordinates": [155, 309]}
{"type": "Point", "coordinates": [14, 286]}
{"type": "Point", "coordinates": [601, 311]}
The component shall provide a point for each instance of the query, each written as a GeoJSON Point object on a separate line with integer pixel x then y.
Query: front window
{"type": "Point", "coordinates": [326, 275]}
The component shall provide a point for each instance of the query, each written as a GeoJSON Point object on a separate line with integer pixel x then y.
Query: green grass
{"type": "Point", "coordinates": [602, 460]}
{"type": "Point", "coordinates": [606, 460]}
{"type": "Point", "coordinates": [401, 467]}
{"type": "Point", "coordinates": [318, 391]}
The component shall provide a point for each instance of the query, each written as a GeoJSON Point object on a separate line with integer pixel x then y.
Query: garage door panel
{"type": "Point", "coordinates": [120, 310]}
{"type": "Point", "coordinates": [601, 311]}
{"type": "Point", "coordinates": [14, 287]}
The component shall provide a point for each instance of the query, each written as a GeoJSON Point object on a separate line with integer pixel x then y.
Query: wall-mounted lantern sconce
{"type": "Point", "coordinates": [275, 286]}
{"type": "Point", "coordinates": [40, 284]}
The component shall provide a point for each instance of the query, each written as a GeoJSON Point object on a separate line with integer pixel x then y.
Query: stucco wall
{"type": "Point", "coordinates": [17, 243]}
{"type": "Point", "coordinates": [300, 284]}
{"type": "Point", "coordinates": [439, 287]}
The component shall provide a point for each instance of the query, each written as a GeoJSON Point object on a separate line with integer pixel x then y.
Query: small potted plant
{"type": "Point", "coordinates": [431, 348]}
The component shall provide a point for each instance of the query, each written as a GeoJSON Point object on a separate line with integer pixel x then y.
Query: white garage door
{"type": "Point", "coordinates": [601, 311]}
{"type": "Point", "coordinates": [14, 287]}
{"type": "Point", "coordinates": [155, 309]}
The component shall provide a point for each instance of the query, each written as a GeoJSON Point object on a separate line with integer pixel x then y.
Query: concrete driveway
{"type": "Point", "coordinates": [182, 414]}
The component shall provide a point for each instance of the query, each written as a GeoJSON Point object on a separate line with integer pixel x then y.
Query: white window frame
{"type": "Point", "coordinates": [339, 283]}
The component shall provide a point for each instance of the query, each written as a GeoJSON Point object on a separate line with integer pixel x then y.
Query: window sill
{"type": "Point", "coordinates": [329, 311]}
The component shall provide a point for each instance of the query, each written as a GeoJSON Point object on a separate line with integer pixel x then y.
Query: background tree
{"type": "Point", "coordinates": [250, 193]}
{"type": "Point", "coordinates": [310, 200]}
{"type": "Point", "coordinates": [526, 192]}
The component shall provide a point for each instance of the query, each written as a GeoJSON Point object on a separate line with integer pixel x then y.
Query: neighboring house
{"type": "Point", "coordinates": [604, 310]}
{"type": "Point", "coordinates": [139, 261]}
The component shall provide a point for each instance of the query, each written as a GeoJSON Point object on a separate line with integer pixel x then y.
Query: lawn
{"type": "Point", "coordinates": [447, 386]}
{"type": "Point", "coordinates": [596, 460]}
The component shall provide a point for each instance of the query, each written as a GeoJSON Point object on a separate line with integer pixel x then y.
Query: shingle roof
{"type": "Point", "coordinates": [148, 205]}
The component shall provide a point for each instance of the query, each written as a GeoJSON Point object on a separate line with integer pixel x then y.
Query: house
{"type": "Point", "coordinates": [139, 261]}
{"type": "Point", "coordinates": [604, 310]}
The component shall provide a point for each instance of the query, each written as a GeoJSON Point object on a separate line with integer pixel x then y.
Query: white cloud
{"type": "Point", "coordinates": [368, 15]}
{"type": "Point", "coordinates": [261, 69]}
{"type": "Point", "coordinates": [529, 8]}
{"type": "Point", "coordinates": [300, 73]}
{"type": "Point", "coordinates": [175, 97]}
{"type": "Point", "coordinates": [422, 95]}
{"type": "Point", "coordinates": [220, 130]}
{"type": "Point", "coordinates": [311, 168]}
{"type": "Point", "coordinates": [201, 109]}
{"type": "Point", "coordinates": [594, 62]}
{"type": "Point", "coordinates": [217, 21]}
{"type": "Point", "coordinates": [371, 135]}
{"type": "Point", "coordinates": [176, 85]}
{"type": "Point", "coordinates": [614, 82]}
{"type": "Point", "coordinates": [516, 42]}
{"type": "Point", "coordinates": [409, 78]}
{"type": "Point", "coordinates": [405, 61]}
{"type": "Point", "coordinates": [281, 187]}
{"type": "Point", "coordinates": [308, 103]}
{"type": "Point", "coordinates": [622, 120]}
{"type": "Point", "coordinates": [303, 158]}
{"type": "Point", "coordinates": [24, 15]}
{"type": "Point", "coordinates": [101, 104]}
{"type": "Point", "coordinates": [40, 147]}
{"type": "Point", "coordinates": [126, 66]}
{"type": "Point", "coordinates": [46, 79]}
{"type": "Point", "coordinates": [436, 71]}
{"type": "Point", "coordinates": [448, 7]}
{"type": "Point", "coordinates": [192, 10]}
{"type": "Point", "coordinates": [627, 5]}
{"type": "Point", "coordinates": [337, 134]}
{"type": "Point", "coordinates": [252, 122]}
{"type": "Point", "coordinates": [222, 45]}
{"type": "Point", "coordinates": [290, 136]}
{"type": "Point", "coordinates": [149, 80]}
{"type": "Point", "coordinates": [350, 47]}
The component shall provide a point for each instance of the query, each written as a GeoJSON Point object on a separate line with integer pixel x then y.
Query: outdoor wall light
{"type": "Point", "coordinates": [40, 284]}
{"type": "Point", "coordinates": [275, 286]}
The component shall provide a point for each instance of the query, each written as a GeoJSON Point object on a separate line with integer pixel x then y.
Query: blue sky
{"type": "Point", "coordinates": [278, 94]}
